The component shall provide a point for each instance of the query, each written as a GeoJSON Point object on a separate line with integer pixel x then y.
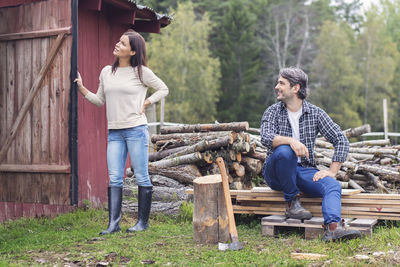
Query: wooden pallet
{"type": "Point", "coordinates": [312, 228]}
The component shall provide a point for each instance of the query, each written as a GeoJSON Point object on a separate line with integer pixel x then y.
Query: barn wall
{"type": "Point", "coordinates": [97, 37]}
{"type": "Point", "coordinates": [42, 140]}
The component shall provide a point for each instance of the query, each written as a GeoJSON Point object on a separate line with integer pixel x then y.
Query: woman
{"type": "Point", "coordinates": [123, 86]}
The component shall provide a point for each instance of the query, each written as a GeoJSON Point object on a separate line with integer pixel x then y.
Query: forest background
{"type": "Point", "coordinates": [221, 59]}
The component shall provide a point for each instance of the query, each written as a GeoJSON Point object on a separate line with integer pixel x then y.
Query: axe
{"type": "Point", "coordinates": [235, 244]}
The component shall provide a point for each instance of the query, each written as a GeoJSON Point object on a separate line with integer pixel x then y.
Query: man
{"type": "Point", "coordinates": [289, 129]}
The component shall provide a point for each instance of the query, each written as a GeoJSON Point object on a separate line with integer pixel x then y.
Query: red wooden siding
{"type": "Point", "coordinates": [30, 177]}
{"type": "Point", "coordinates": [97, 38]}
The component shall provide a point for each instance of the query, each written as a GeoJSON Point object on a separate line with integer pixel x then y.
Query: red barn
{"type": "Point", "coordinates": [52, 144]}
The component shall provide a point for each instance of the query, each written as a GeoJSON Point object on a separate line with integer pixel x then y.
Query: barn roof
{"type": "Point", "coordinates": [147, 12]}
{"type": "Point", "coordinates": [141, 12]}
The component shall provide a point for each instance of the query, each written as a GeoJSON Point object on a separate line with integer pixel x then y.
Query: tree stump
{"type": "Point", "coordinates": [210, 220]}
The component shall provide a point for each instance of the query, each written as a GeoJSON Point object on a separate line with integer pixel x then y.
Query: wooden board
{"type": "Point", "coordinates": [40, 148]}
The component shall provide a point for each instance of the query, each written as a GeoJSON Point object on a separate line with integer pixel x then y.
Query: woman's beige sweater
{"type": "Point", "coordinates": [125, 95]}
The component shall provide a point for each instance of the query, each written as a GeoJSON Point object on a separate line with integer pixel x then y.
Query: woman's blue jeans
{"type": "Point", "coordinates": [135, 141]}
{"type": "Point", "coordinates": [282, 173]}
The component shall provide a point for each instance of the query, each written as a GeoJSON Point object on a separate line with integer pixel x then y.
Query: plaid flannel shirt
{"type": "Point", "coordinates": [313, 120]}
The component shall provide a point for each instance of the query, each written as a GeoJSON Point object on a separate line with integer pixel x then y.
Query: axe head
{"type": "Point", "coordinates": [231, 246]}
{"type": "Point", "coordinates": [235, 246]}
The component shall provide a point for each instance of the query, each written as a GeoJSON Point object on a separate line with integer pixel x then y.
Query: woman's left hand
{"type": "Point", "coordinates": [146, 103]}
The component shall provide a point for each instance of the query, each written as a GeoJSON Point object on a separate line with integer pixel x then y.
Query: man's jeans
{"type": "Point", "coordinates": [281, 172]}
{"type": "Point", "coordinates": [135, 141]}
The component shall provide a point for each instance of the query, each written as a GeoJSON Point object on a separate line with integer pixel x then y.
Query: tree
{"type": "Point", "coordinates": [180, 56]}
{"type": "Point", "coordinates": [336, 83]}
{"type": "Point", "coordinates": [241, 96]}
{"type": "Point", "coordinates": [391, 13]}
{"type": "Point", "coordinates": [377, 57]}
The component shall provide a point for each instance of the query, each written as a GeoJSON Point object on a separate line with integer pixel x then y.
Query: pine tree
{"type": "Point", "coordinates": [241, 96]}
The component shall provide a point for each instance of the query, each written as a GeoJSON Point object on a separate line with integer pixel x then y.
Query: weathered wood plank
{"type": "Point", "coordinates": [35, 168]}
{"type": "Point", "coordinates": [25, 108]}
{"type": "Point", "coordinates": [54, 92]}
{"type": "Point", "coordinates": [3, 188]}
{"type": "Point", "coordinates": [51, 192]}
{"type": "Point", "coordinates": [34, 34]}
{"type": "Point", "coordinates": [65, 70]}
{"type": "Point", "coordinates": [11, 88]}
{"type": "Point", "coordinates": [36, 105]}
{"type": "Point", "coordinates": [3, 91]}
{"type": "Point", "coordinates": [44, 107]}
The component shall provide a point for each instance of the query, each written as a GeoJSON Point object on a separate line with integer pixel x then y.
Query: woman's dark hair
{"type": "Point", "coordinates": [139, 59]}
{"type": "Point", "coordinates": [296, 76]}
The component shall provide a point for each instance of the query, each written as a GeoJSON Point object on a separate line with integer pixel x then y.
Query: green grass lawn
{"type": "Point", "coordinates": [73, 239]}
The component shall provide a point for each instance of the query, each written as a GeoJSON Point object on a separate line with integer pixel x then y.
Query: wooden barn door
{"type": "Point", "coordinates": [35, 60]}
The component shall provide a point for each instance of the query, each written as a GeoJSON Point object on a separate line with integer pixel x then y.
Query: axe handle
{"type": "Point", "coordinates": [228, 200]}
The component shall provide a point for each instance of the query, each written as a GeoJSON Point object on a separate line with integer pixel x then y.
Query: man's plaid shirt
{"type": "Point", "coordinates": [313, 120]}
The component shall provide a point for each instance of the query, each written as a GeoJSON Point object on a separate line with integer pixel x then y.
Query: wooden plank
{"type": "Point", "coordinates": [65, 69]}
{"type": "Point", "coordinates": [359, 214]}
{"type": "Point", "coordinates": [35, 168]}
{"type": "Point", "coordinates": [34, 34]}
{"type": "Point", "coordinates": [62, 189]}
{"type": "Point", "coordinates": [268, 192]}
{"type": "Point", "coordinates": [36, 188]}
{"type": "Point", "coordinates": [394, 210]}
{"type": "Point", "coordinates": [10, 97]}
{"type": "Point", "coordinates": [3, 92]}
{"type": "Point", "coordinates": [11, 3]}
{"type": "Point", "coordinates": [36, 105]}
{"type": "Point", "coordinates": [3, 188]}
{"type": "Point", "coordinates": [51, 191]}
{"type": "Point", "coordinates": [35, 22]}
{"type": "Point", "coordinates": [20, 188]}
{"type": "Point", "coordinates": [54, 91]}
{"type": "Point", "coordinates": [11, 188]}
{"type": "Point", "coordinates": [363, 222]}
{"type": "Point", "coordinates": [44, 107]}
{"type": "Point", "coordinates": [45, 182]}
{"type": "Point", "coordinates": [26, 127]}
{"type": "Point", "coordinates": [19, 100]}
{"type": "Point", "coordinates": [21, 116]}
{"type": "Point", "coordinates": [376, 196]}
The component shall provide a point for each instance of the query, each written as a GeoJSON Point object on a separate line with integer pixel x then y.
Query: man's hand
{"type": "Point", "coordinates": [322, 174]}
{"type": "Point", "coordinates": [299, 148]}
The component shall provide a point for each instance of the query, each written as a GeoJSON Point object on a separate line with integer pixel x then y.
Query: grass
{"type": "Point", "coordinates": [73, 239]}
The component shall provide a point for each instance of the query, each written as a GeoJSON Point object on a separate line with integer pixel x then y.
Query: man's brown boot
{"type": "Point", "coordinates": [336, 231]}
{"type": "Point", "coordinates": [295, 210]}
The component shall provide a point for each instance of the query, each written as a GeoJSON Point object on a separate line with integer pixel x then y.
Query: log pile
{"type": "Point", "coordinates": [371, 166]}
{"type": "Point", "coordinates": [186, 152]}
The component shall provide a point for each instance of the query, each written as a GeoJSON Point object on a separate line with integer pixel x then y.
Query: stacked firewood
{"type": "Point", "coordinates": [371, 166]}
{"type": "Point", "coordinates": [189, 151]}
